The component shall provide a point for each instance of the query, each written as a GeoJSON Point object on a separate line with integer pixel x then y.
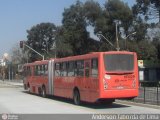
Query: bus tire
{"type": "Point", "coordinates": [43, 93]}
{"type": "Point", "coordinates": [28, 88]}
{"type": "Point", "coordinates": [39, 91]}
{"type": "Point", "coordinates": [76, 97]}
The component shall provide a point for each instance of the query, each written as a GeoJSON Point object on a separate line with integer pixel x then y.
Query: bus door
{"type": "Point", "coordinates": [87, 71]}
{"type": "Point", "coordinates": [50, 76]}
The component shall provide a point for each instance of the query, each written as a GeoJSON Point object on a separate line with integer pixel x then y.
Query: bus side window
{"type": "Point", "coordinates": [39, 70]}
{"type": "Point", "coordinates": [24, 71]}
{"type": "Point", "coordinates": [71, 68]}
{"type": "Point", "coordinates": [35, 70]}
{"type": "Point", "coordinates": [64, 69]}
{"type": "Point", "coordinates": [57, 69]}
{"type": "Point", "coordinates": [42, 70]}
{"type": "Point", "coordinates": [94, 70]}
{"type": "Point", "coordinates": [87, 69]}
{"type": "Point", "coordinates": [80, 68]}
{"type": "Point", "coordinates": [75, 69]}
{"type": "Point", "coordinates": [45, 70]}
{"type": "Point", "coordinates": [28, 71]}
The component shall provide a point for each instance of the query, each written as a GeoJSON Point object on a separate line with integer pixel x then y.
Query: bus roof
{"type": "Point", "coordinates": [78, 57]}
{"type": "Point", "coordinates": [92, 54]}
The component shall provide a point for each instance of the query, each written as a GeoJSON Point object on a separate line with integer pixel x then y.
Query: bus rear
{"type": "Point", "coordinates": [119, 78]}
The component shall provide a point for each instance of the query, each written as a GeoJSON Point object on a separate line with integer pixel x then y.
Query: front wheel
{"type": "Point", "coordinates": [76, 97]}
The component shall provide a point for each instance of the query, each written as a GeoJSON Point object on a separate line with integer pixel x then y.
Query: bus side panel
{"type": "Point", "coordinates": [63, 86]}
{"type": "Point", "coordinates": [90, 85]}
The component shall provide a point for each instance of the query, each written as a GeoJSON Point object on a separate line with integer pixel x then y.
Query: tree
{"type": "Point", "coordinates": [147, 51]}
{"type": "Point", "coordinates": [74, 25]}
{"type": "Point", "coordinates": [100, 21]}
{"type": "Point", "coordinates": [156, 42]}
{"type": "Point", "coordinates": [103, 19]}
{"type": "Point", "coordinates": [140, 27]}
{"type": "Point", "coordinates": [41, 38]}
{"type": "Point", "coordinates": [118, 10]}
{"type": "Point", "coordinates": [149, 8]}
{"type": "Point", "coordinates": [61, 47]}
{"type": "Point", "coordinates": [92, 11]}
{"type": "Point", "coordinates": [17, 55]}
{"type": "Point", "coordinates": [144, 49]}
{"type": "Point", "coordinates": [17, 58]}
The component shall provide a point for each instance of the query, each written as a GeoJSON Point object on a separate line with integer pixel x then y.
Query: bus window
{"type": "Point", "coordinates": [45, 70]}
{"type": "Point", "coordinates": [71, 68]}
{"type": "Point", "coordinates": [36, 70]}
{"type": "Point", "coordinates": [24, 71]}
{"type": "Point", "coordinates": [57, 69]}
{"type": "Point", "coordinates": [119, 62]}
{"type": "Point", "coordinates": [42, 70]}
{"type": "Point", "coordinates": [64, 69]}
{"type": "Point", "coordinates": [39, 70]}
{"type": "Point", "coordinates": [29, 71]}
{"type": "Point", "coordinates": [80, 68]}
{"type": "Point", "coordinates": [94, 70]}
{"type": "Point", "coordinates": [87, 66]}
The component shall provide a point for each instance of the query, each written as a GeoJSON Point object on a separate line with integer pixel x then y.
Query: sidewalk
{"type": "Point", "coordinates": [137, 104]}
{"type": "Point", "coordinates": [11, 83]}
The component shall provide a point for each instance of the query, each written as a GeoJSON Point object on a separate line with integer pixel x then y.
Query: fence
{"type": "Point", "coordinates": [149, 93]}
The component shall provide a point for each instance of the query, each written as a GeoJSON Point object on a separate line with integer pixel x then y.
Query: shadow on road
{"type": "Point", "coordinates": [84, 104]}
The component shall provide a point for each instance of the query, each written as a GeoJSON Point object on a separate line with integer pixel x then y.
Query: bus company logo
{"type": "Point", "coordinates": [4, 116]}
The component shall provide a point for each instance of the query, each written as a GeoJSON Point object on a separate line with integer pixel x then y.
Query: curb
{"type": "Point", "coordinates": [6, 83]}
{"type": "Point", "coordinates": [137, 104]}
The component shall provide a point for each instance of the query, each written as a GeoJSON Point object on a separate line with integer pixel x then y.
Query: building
{"type": "Point", "coordinates": [149, 71]}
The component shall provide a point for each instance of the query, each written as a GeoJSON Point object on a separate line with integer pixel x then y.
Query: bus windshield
{"type": "Point", "coordinates": [119, 62]}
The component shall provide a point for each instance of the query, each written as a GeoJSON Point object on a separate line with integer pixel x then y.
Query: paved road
{"type": "Point", "coordinates": [16, 100]}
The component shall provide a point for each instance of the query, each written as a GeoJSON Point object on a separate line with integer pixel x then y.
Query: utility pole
{"type": "Point", "coordinates": [117, 41]}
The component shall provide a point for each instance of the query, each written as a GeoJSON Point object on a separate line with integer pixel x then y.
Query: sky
{"type": "Point", "coordinates": [17, 16]}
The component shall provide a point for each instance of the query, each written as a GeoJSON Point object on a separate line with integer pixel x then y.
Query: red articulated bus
{"type": "Point", "coordinates": [98, 76]}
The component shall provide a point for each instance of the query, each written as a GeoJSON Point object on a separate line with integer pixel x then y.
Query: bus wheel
{"type": "Point", "coordinates": [39, 91]}
{"type": "Point", "coordinates": [43, 92]}
{"type": "Point", "coordinates": [28, 88]}
{"type": "Point", "coordinates": [76, 97]}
